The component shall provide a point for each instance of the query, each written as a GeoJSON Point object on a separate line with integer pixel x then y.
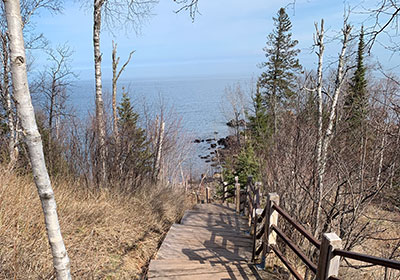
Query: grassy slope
{"type": "Point", "coordinates": [108, 235]}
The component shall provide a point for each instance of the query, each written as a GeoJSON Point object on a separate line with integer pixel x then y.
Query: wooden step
{"type": "Point", "coordinates": [215, 220]}
{"type": "Point", "coordinates": [213, 208]}
{"type": "Point", "coordinates": [178, 269]}
{"type": "Point", "coordinates": [192, 235]}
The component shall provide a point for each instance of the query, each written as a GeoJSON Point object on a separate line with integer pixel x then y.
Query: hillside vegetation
{"type": "Point", "coordinates": [109, 235]}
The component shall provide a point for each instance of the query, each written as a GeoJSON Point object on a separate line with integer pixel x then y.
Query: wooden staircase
{"type": "Point", "coordinates": [209, 243]}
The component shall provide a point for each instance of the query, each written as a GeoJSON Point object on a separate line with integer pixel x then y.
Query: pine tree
{"type": "Point", "coordinates": [134, 153]}
{"type": "Point", "coordinates": [277, 81]}
{"type": "Point", "coordinates": [247, 165]}
{"type": "Point", "coordinates": [259, 123]}
{"type": "Point", "coordinates": [356, 102]}
{"type": "Point", "coordinates": [128, 118]}
{"type": "Point", "coordinates": [242, 165]}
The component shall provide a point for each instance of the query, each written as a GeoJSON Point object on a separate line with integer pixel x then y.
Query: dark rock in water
{"type": "Point", "coordinates": [212, 153]}
{"type": "Point", "coordinates": [215, 132]}
{"type": "Point", "coordinates": [208, 160]}
{"type": "Point", "coordinates": [197, 141]}
{"type": "Point", "coordinates": [222, 141]}
{"type": "Point", "coordinates": [209, 140]}
{"type": "Point", "coordinates": [202, 140]}
{"type": "Point", "coordinates": [213, 145]}
{"type": "Point", "coordinates": [236, 123]}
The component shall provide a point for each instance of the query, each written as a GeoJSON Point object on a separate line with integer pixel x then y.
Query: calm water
{"type": "Point", "coordinates": [197, 102]}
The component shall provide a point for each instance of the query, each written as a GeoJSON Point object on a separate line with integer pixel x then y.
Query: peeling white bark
{"type": "Point", "coordinates": [321, 48]}
{"type": "Point", "coordinates": [33, 139]}
{"type": "Point", "coordinates": [160, 141]}
{"type": "Point", "coordinates": [13, 139]}
{"type": "Point", "coordinates": [100, 122]}
{"type": "Point", "coordinates": [328, 135]}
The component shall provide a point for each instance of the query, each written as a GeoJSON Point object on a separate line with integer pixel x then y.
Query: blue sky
{"type": "Point", "coordinates": [225, 40]}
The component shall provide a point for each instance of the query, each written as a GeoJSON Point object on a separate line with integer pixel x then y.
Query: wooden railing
{"type": "Point", "coordinates": [330, 252]}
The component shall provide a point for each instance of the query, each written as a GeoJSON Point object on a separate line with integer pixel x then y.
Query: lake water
{"type": "Point", "coordinates": [197, 102]}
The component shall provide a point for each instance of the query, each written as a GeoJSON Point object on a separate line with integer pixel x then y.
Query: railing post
{"type": "Point", "coordinates": [225, 191]}
{"type": "Point", "coordinates": [237, 189]}
{"type": "Point", "coordinates": [257, 198]}
{"type": "Point", "coordinates": [249, 212]}
{"type": "Point", "coordinates": [197, 197]}
{"type": "Point", "coordinates": [253, 254]}
{"type": "Point", "coordinates": [207, 195]}
{"type": "Point", "coordinates": [269, 237]}
{"type": "Point", "coordinates": [328, 265]}
{"type": "Point", "coordinates": [271, 219]}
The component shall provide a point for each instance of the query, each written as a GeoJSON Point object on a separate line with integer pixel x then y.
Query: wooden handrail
{"type": "Point", "coordinates": [330, 246]}
{"type": "Point", "coordinates": [368, 259]}
{"type": "Point", "coordinates": [297, 226]}
{"type": "Point", "coordinates": [286, 263]}
{"type": "Point", "coordinates": [295, 249]}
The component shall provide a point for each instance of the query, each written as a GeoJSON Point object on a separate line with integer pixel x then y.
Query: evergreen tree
{"type": "Point", "coordinates": [242, 165]}
{"type": "Point", "coordinates": [247, 165]}
{"type": "Point", "coordinates": [128, 118]}
{"type": "Point", "coordinates": [134, 153]}
{"type": "Point", "coordinates": [259, 123]}
{"type": "Point", "coordinates": [356, 102]}
{"type": "Point", "coordinates": [277, 81]}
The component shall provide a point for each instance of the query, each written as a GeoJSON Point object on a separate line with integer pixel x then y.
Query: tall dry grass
{"type": "Point", "coordinates": [109, 235]}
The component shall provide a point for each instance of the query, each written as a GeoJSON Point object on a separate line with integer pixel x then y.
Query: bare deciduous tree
{"type": "Point", "coordinates": [116, 75]}
{"type": "Point", "coordinates": [126, 13]}
{"type": "Point", "coordinates": [28, 9]}
{"type": "Point", "coordinates": [188, 5]}
{"type": "Point", "coordinates": [54, 82]}
{"type": "Point", "coordinates": [385, 17]}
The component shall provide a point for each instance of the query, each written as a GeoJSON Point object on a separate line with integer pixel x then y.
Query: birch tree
{"type": "Point", "coordinates": [33, 138]}
{"type": "Point", "coordinates": [7, 102]}
{"type": "Point", "coordinates": [325, 137]}
{"type": "Point", "coordinates": [159, 141]}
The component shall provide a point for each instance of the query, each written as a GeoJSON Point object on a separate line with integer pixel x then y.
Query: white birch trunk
{"type": "Point", "coordinates": [115, 62]}
{"type": "Point", "coordinates": [160, 140]}
{"type": "Point", "coordinates": [321, 49]}
{"type": "Point", "coordinates": [12, 141]}
{"type": "Point", "coordinates": [100, 122]}
{"type": "Point", "coordinates": [33, 139]}
{"type": "Point", "coordinates": [331, 121]}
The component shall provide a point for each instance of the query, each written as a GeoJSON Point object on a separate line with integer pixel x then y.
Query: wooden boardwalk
{"type": "Point", "coordinates": [209, 243]}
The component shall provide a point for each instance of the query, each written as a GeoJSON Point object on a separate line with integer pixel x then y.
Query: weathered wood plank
{"type": "Point", "coordinates": [184, 269]}
{"type": "Point", "coordinates": [210, 243]}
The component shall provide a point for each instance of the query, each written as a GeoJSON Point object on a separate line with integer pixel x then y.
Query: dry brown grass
{"type": "Point", "coordinates": [386, 224]}
{"type": "Point", "coordinates": [108, 235]}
